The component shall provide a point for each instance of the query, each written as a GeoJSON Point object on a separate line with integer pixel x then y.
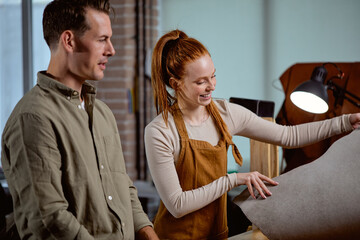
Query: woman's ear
{"type": "Point", "coordinates": [174, 83]}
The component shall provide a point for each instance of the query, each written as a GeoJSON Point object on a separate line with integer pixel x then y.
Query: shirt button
{"type": "Point", "coordinates": [102, 166]}
{"type": "Point", "coordinates": [79, 106]}
{"type": "Point", "coordinates": [75, 93]}
{"type": "Point", "coordinates": [110, 198]}
{"type": "Point", "coordinates": [68, 97]}
{"type": "Point", "coordinates": [123, 224]}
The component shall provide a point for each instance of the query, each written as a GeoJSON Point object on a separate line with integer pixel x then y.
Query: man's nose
{"type": "Point", "coordinates": [110, 50]}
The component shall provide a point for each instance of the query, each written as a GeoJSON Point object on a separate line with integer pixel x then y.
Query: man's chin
{"type": "Point", "coordinates": [97, 77]}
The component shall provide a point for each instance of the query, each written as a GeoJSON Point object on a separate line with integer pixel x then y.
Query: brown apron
{"type": "Point", "coordinates": [199, 164]}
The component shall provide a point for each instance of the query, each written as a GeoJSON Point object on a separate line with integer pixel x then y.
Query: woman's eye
{"type": "Point", "coordinates": [199, 83]}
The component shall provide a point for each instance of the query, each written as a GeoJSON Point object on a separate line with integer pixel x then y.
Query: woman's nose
{"type": "Point", "coordinates": [211, 85]}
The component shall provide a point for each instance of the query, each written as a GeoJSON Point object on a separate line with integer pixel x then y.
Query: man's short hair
{"type": "Point", "coordinates": [62, 15]}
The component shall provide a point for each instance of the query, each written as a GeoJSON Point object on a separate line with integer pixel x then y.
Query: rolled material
{"type": "Point", "coordinates": [319, 200]}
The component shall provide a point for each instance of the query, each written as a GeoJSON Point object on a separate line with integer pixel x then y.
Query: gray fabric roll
{"type": "Point", "coordinates": [319, 200]}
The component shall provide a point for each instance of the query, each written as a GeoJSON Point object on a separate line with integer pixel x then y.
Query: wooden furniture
{"type": "Point", "coordinates": [264, 157]}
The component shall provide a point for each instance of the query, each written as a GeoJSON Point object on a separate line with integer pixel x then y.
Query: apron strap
{"type": "Point", "coordinates": [179, 121]}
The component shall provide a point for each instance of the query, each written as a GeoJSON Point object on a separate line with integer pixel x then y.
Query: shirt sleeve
{"type": "Point", "coordinates": [34, 174]}
{"type": "Point", "coordinates": [140, 218]}
{"type": "Point", "coordinates": [245, 123]}
{"type": "Point", "coordinates": [159, 152]}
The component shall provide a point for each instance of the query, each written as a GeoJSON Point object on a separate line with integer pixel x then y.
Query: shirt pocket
{"type": "Point", "coordinates": [114, 153]}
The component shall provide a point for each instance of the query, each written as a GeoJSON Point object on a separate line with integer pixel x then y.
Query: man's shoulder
{"type": "Point", "coordinates": [29, 106]}
{"type": "Point", "coordinates": [31, 102]}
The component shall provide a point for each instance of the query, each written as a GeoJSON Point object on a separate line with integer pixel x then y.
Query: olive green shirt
{"type": "Point", "coordinates": [65, 167]}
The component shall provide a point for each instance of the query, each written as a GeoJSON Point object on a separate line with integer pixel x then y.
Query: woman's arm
{"type": "Point", "coordinates": [245, 123]}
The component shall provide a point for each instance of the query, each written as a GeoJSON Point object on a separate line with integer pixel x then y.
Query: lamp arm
{"type": "Point", "coordinates": [352, 101]}
{"type": "Point", "coordinates": [340, 75]}
{"type": "Point", "coordinates": [340, 92]}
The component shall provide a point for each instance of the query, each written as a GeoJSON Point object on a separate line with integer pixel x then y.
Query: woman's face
{"type": "Point", "coordinates": [198, 83]}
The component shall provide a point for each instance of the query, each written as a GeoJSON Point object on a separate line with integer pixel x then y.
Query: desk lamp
{"type": "Point", "coordinates": [312, 95]}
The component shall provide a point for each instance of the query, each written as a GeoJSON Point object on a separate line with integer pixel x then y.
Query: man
{"type": "Point", "coordinates": [61, 150]}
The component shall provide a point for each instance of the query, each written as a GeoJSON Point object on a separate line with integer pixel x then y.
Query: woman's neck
{"type": "Point", "coordinates": [194, 115]}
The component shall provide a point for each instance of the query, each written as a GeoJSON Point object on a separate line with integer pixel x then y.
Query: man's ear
{"type": "Point", "coordinates": [67, 40]}
{"type": "Point", "coordinates": [174, 83]}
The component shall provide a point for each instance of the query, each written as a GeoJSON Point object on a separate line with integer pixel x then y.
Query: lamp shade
{"type": "Point", "coordinates": [311, 95]}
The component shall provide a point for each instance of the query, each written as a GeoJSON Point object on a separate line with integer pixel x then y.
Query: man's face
{"type": "Point", "coordinates": [93, 48]}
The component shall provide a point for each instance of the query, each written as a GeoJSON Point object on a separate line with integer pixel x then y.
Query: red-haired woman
{"type": "Point", "coordinates": [186, 145]}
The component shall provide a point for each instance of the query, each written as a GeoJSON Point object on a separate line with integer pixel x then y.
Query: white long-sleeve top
{"type": "Point", "coordinates": [162, 144]}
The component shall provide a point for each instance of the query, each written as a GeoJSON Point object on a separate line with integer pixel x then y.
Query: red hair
{"type": "Point", "coordinates": [171, 54]}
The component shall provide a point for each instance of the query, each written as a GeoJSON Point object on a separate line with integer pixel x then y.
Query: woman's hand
{"type": "Point", "coordinates": [257, 180]}
{"type": "Point", "coordinates": [355, 120]}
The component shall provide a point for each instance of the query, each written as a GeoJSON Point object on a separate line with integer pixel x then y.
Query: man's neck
{"type": "Point", "coordinates": [67, 81]}
{"type": "Point", "coordinates": [59, 70]}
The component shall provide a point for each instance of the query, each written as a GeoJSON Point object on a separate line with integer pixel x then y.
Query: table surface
{"type": "Point", "coordinates": [250, 235]}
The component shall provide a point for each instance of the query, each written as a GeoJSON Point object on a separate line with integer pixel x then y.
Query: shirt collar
{"type": "Point", "coordinates": [45, 81]}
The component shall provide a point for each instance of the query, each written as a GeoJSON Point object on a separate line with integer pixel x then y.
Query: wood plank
{"type": "Point", "coordinates": [264, 157]}
{"type": "Point", "coordinates": [250, 235]}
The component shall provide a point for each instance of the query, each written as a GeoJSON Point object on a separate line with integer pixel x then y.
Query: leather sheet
{"type": "Point", "coordinates": [319, 200]}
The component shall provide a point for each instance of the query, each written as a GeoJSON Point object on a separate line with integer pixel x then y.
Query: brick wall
{"type": "Point", "coordinates": [125, 88]}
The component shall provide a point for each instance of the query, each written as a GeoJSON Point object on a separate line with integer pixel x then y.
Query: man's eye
{"type": "Point", "coordinates": [213, 76]}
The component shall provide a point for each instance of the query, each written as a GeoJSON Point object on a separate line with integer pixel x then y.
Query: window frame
{"type": "Point", "coordinates": [27, 50]}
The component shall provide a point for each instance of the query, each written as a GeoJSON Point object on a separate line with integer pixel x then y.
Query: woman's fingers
{"type": "Point", "coordinates": [256, 180]}
{"type": "Point", "coordinates": [252, 180]}
{"type": "Point", "coordinates": [263, 187]}
{"type": "Point", "coordinates": [260, 187]}
{"type": "Point", "coordinates": [251, 191]}
{"type": "Point", "coordinates": [267, 179]}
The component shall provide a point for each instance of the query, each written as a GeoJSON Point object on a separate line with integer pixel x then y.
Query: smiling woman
{"type": "Point", "coordinates": [187, 144]}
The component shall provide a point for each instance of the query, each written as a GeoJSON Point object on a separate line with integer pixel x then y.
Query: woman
{"type": "Point", "coordinates": [186, 145]}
